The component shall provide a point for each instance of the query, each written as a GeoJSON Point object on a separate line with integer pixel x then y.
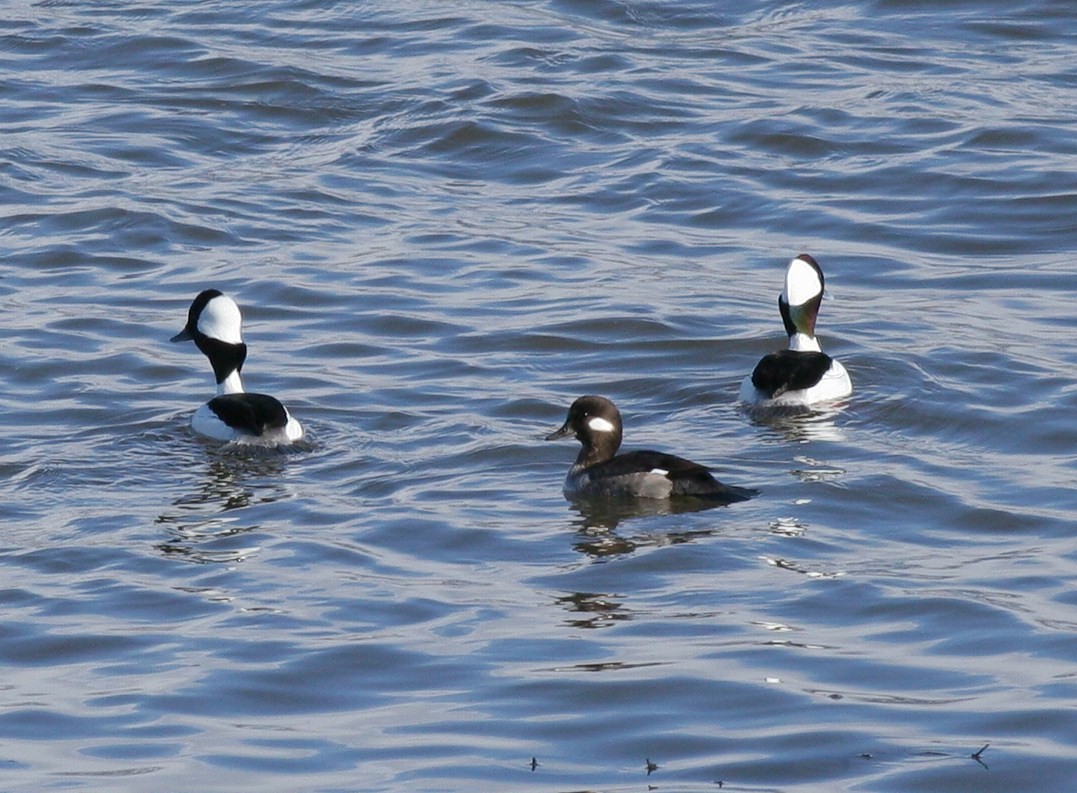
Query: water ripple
{"type": "Point", "coordinates": [443, 226]}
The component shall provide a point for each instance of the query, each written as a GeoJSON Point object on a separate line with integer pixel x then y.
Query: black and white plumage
{"type": "Point", "coordinates": [214, 324]}
{"type": "Point", "coordinates": [802, 374]}
{"type": "Point", "coordinates": [600, 472]}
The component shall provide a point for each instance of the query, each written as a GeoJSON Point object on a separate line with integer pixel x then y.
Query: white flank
{"type": "Point", "coordinates": [599, 424]}
{"type": "Point", "coordinates": [293, 430]}
{"type": "Point", "coordinates": [220, 319]}
{"type": "Point", "coordinates": [801, 283]}
{"type": "Point", "coordinates": [206, 423]}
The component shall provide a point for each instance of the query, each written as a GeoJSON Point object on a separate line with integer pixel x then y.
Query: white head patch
{"type": "Point", "coordinates": [801, 283]}
{"type": "Point", "coordinates": [220, 319]}
{"type": "Point", "coordinates": [599, 424]}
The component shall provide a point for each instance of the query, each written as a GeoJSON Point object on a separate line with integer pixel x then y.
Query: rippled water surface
{"type": "Point", "coordinates": [443, 223]}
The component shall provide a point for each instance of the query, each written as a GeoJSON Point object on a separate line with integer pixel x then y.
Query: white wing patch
{"type": "Point", "coordinates": [599, 424]}
{"type": "Point", "coordinates": [660, 471]}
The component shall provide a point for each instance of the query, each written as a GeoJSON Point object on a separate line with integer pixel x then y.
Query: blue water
{"type": "Point", "coordinates": [444, 223]}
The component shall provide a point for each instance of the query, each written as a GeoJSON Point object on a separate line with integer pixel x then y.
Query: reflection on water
{"type": "Point", "coordinates": [816, 470]}
{"type": "Point", "coordinates": [788, 527]}
{"type": "Point", "coordinates": [235, 478]}
{"type": "Point", "coordinates": [598, 520]}
{"type": "Point", "coordinates": [801, 568]}
{"type": "Point", "coordinates": [798, 424]}
{"type": "Point", "coordinates": [596, 610]}
{"type": "Point", "coordinates": [601, 543]}
{"type": "Point", "coordinates": [443, 224]}
{"type": "Point", "coordinates": [609, 513]}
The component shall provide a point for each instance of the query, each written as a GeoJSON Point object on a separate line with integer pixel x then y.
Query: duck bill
{"type": "Point", "coordinates": [183, 335]}
{"type": "Point", "coordinates": [563, 432]}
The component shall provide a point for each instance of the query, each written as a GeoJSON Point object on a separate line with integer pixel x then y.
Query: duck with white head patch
{"type": "Point", "coordinates": [600, 472]}
{"type": "Point", "coordinates": [802, 374]}
{"type": "Point", "coordinates": [214, 324]}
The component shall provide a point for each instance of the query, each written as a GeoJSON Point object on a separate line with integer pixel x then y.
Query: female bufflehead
{"type": "Point", "coordinates": [214, 324]}
{"type": "Point", "coordinates": [802, 374]}
{"type": "Point", "coordinates": [596, 423]}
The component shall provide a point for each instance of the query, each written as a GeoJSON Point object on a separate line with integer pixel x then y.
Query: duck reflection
{"type": "Point", "coordinates": [597, 523]}
{"type": "Point", "coordinates": [799, 424]}
{"type": "Point", "coordinates": [199, 525]}
{"type": "Point", "coordinates": [594, 609]}
{"type": "Point", "coordinates": [600, 543]}
{"type": "Point", "coordinates": [802, 569]}
{"type": "Point", "coordinates": [609, 513]}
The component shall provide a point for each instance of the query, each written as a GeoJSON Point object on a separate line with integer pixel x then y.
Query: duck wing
{"type": "Point", "coordinates": [253, 414]}
{"type": "Point", "coordinates": [789, 370]}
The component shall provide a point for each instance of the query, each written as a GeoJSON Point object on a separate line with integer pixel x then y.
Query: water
{"type": "Point", "coordinates": [444, 224]}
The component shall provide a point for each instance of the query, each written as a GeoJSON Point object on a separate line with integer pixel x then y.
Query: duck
{"type": "Point", "coordinates": [599, 472]}
{"type": "Point", "coordinates": [215, 324]}
{"type": "Point", "coordinates": [801, 375]}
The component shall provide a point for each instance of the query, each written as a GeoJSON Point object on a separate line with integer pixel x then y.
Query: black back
{"type": "Point", "coordinates": [250, 413]}
{"type": "Point", "coordinates": [789, 370]}
{"type": "Point", "coordinates": [688, 478]}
